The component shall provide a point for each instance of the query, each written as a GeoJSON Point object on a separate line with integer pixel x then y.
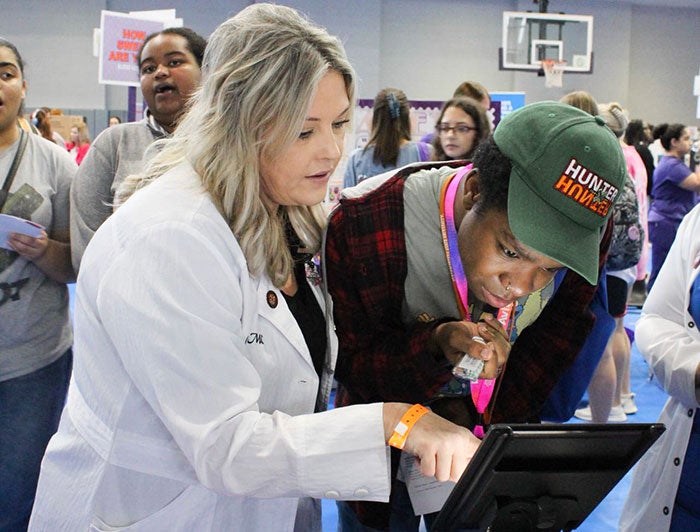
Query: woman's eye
{"type": "Point", "coordinates": [147, 69]}
{"type": "Point", "coordinates": [305, 134]}
{"type": "Point", "coordinates": [341, 124]}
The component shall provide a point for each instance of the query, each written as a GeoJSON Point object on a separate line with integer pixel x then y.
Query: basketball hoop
{"type": "Point", "coordinates": [553, 72]}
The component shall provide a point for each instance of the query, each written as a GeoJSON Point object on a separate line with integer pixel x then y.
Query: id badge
{"type": "Point", "coordinates": [469, 368]}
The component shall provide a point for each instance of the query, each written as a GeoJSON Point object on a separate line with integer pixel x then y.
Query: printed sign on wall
{"type": "Point", "coordinates": [121, 38]}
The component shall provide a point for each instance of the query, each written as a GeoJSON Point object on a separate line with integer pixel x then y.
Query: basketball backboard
{"type": "Point", "coordinates": [530, 37]}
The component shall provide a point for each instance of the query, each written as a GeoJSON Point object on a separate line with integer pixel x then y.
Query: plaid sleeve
{"type": "Point", "coordinates": [379, 358]}
{"type": "Point", "coordinates": [548, 347]}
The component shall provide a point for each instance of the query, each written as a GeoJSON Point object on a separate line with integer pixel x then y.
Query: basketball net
{"type": "Point", "coordinates": [553, 72]}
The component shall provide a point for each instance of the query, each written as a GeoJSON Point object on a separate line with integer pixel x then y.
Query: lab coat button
{"type": "Point", "coordinates": [691, 324]}
{"type": "Point", "coordinates": [676, 461]}
{"type": "Point", "coordinates": [690, 413]}
{"type": "Point", "coordinates": [361, 492]}
{"type": "Point", "coordinates": [332, 494]}
{"type": "Point", "coordinates": [666, 510]}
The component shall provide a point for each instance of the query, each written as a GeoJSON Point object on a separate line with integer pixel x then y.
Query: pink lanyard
{"type": "Point", "coordinates": [482, 390]}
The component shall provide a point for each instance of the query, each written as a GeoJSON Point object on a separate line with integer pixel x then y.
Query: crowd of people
{"type": "Point", "coordinates": [219, 304]}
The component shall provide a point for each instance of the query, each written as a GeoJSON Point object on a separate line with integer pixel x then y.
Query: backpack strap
{"type": "Point", "coordinates": [5, 192]}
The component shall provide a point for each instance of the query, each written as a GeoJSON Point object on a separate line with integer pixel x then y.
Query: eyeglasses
{"type": "Point", "coordinates": [461, 128]}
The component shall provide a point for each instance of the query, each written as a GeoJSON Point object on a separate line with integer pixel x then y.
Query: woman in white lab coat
{"type": "Point", "coordinates": [663, 495]}
{"type": "Point", "coordinates": [204, 349]}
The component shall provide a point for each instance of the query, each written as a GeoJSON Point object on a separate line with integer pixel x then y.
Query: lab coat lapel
{"type": "Point", "coordinates": [273, 308]}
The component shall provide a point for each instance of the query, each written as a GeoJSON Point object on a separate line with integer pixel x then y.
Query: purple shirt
{"type": "Point", "coordinates": [671, 202]}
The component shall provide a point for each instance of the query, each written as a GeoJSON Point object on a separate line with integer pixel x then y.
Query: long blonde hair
{"type": "Point", "coordinates": [259, 76]}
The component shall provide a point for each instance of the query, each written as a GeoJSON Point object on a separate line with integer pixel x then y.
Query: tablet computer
{"type": "Point", "coordinates": [543, 476]}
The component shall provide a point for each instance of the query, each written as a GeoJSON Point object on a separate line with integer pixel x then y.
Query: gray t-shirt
{"type": "Point", "coordinates": [116, 153]}
{"type": "Point", "coordinates": [428, 286]}
{"type": "Point", "coordinates": [35, 328]}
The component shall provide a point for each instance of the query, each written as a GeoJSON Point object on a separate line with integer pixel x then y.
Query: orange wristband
{"type": "Point", "coordinates": [403, 427]}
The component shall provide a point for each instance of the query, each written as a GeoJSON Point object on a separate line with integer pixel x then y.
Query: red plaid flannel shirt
{"type": "Point", "coordinates": [381, 359]}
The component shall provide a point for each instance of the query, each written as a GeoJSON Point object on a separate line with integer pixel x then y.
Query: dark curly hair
{"type": "Point", "coordinates": [494, 177]}
{"type": "Point", "coordinates": [634, 134]}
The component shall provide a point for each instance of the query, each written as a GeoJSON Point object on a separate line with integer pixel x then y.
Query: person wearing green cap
{"type": "Point", "coordinates": [438, 260]}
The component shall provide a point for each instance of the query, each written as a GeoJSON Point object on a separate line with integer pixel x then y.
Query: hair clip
{"type": "Point", "coordinates": [394, 106]}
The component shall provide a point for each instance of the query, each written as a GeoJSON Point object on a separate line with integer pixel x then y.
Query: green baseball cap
{"type": "Point", "coordinates": [567, 171]}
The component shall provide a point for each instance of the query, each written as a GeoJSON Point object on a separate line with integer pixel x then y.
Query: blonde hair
{"type": "Point", "coordinates": [615, 117]}
{"type": "Point", "coordinates": [581, 100]}
{"type": "Point", "coordinates": [260, 72]}
{"type": "Point", "coordinates": [83, 133]}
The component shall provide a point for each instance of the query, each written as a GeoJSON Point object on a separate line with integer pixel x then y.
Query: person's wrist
{"type": "Point", "coordinates": [404, 427]}
{"type": "Point", "coordinates": [42, 252]}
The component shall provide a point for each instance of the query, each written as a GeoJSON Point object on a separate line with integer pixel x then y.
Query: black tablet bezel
{"type": "Point", "coordinates": [558, 472]}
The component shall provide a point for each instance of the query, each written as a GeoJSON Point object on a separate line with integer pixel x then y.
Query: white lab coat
{"type": "Point", "coordinates": [191, 402]}
{"type": "Point", "coordinates": [668, 338]}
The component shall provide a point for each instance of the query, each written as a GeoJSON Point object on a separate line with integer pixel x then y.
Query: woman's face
{"type": "Point", "coordinates": [74, 136]}
{"type": "Point", "coordinates": [682, 144]}
{"type": "Point", "coordinates": [300, 174]}
{"type": "Point", "coordinates": [114, 121]}
{"type": "Point", "coordinates": [12, 89]}
{"type": "Point", "coordinates": [169, 75]}
{"type": "Point", "coordinates": [457, 133]}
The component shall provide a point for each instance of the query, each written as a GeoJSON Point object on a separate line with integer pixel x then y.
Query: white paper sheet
{"type": "Point", "coordinates": [13, 224]}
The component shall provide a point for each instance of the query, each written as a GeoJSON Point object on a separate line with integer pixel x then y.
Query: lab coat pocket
{"type": "Point", "coordinates": [193, 509]}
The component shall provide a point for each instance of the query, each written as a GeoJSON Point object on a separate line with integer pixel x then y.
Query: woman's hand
{"type": "Point", "coordinates": [29, 247]}
{"type": "Point", "coordinates": [442, 449]}
{"type": "Point", "coordinates": [50, 255]}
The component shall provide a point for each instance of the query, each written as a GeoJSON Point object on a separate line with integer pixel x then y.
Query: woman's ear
{"type": "Point", "coordinates": [471, 189]}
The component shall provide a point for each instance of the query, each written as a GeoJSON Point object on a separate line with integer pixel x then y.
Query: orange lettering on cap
{"type": "Point", "coordinates": [587, 198]}
{"type": "Point", "coordinates": [575, 192]}
{"type": "Point", "coordinates": [586, 188]}
{"type": "Point", "coordinates": [563, 184]}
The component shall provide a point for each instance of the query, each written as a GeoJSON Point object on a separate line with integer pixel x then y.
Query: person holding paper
{"type": "Point", "coordinates": [427, 264]}
{"type": "Point", "coordinates": [170, 64]}
{"type": "Point", "coordinates": [204, 357]}
{"type": "Point", "coordinates": [35, 328]}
